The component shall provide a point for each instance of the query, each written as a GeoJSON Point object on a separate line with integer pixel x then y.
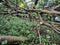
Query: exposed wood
{"type": "Point", "coordinates": [12, 38]}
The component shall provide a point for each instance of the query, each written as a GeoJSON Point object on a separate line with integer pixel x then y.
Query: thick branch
{"type": "Point", "coordinates": [32, 10]}
{"type": "Point", "coordinates": [12, 38]}
{"type": "Point", "coordinates": [45, 11]}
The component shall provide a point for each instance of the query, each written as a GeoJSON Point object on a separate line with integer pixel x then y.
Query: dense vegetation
{"type": "Point", "coordinates": [27, 23]}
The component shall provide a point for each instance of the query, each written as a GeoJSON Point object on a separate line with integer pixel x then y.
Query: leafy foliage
{"type": "Point", "coordinates": [15, 26]}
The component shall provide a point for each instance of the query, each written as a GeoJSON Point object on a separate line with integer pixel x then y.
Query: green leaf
{"type": "Point", "coordinates": [4, 42]}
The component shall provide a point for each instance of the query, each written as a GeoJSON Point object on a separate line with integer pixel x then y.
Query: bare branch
{"type": "Point", "coordinates": [54, 7]}
{"type": "Point", "coordinates": [33, 10]}
{"type": "Point", "coordinates": [40, 18]}
{"type": "Point", "coordinates": [49, 25]}
{"type": "Point", "coordinates": [56, 27]}
{"type": "Point", "coordinates": [14, 12]}
{"type": "Point", "coordinates": [12, 38]}
{"type": "Point", "coordinates": [45, 11]}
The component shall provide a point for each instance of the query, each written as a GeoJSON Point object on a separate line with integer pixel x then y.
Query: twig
{"type": "Point", "coordinates": [49, 25]}
{"type": "Point", "coordinates": [55, 7]}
